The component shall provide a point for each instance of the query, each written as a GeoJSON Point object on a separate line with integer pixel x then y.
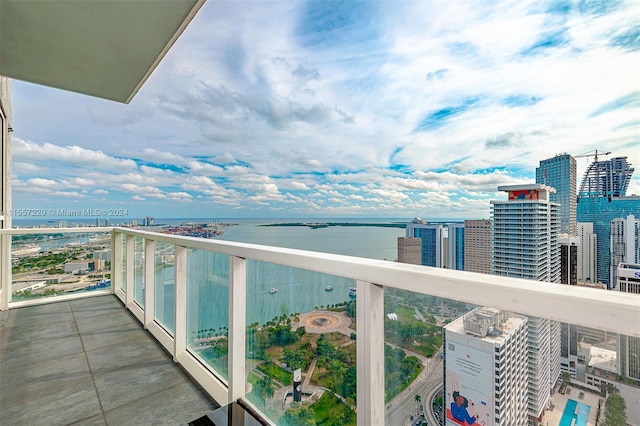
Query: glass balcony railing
{"type": "Point", "coordinates": [63, 262]}
{"type": "Point", "coordinates": [360, 341]}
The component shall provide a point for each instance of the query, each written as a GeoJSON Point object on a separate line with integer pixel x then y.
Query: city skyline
{"type": "Point", "coordinates": [346, 109]}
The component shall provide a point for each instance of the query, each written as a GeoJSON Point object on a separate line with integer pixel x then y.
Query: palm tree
{"type": "Point", "coordinates": [418, 399]}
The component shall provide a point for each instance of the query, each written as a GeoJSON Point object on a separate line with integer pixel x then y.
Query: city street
{"type": "Point", "coordinates": [400, 409]}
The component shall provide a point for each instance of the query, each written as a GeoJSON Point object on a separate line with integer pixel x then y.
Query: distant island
{"type": "Point", "coordinates": [317, 225]}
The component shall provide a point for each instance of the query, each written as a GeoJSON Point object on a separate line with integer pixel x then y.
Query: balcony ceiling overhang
{"type": "Point", "coordinates": [103, 48]}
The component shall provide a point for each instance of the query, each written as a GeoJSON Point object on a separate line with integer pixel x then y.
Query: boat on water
{"type": "Point", "coordinates": [273, 290]}
{"type": "Point", "coordinates": [328, 288]}
{"type": "Point", "coordinates": [352, 292]}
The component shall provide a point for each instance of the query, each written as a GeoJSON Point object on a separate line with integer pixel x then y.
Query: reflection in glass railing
{"type": "Point", "coordinates": [52, 264]}
{"type": "Point", "coordinates": [164, 282]}
{"type": "Point", "coordinates": [208, 308]}
{"type": "Point", "coordinates": [413, 347]}
{"type": "Point", "coordinates": [301, 352]}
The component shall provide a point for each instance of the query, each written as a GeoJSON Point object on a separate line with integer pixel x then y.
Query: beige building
{"type": "Point", "coordinates": [477, 246]}
{"type": "Point", "coordinates": [410, 250]}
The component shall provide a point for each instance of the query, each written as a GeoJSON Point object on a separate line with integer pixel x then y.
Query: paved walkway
{"type": "Point", "coordinates": [89, 362]}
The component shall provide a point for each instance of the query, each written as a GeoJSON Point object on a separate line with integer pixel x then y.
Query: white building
{"type": "Point", "coordinates": [485, 368]}
{"type": "Point", "coordinates": [525, 244]}
{"type": "Point", "coordinates": [625, 243]}
{"type": "Point", "coordinates": [628, 276]}
{"type": "Point", "coordinates": [588, 253]}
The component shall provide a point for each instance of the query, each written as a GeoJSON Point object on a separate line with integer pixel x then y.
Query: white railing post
{"type": "Point", "coordinates": [116, 261]}
{"type": "Point", "coordinates": [370, 353]}
{"type": "Point", "coordinates": [180, 308]}
{"type": "Point", "coordinates": [131, 266]}
{"type": "Point", "coordinates": [237, 327]}
{"type": "Point", "coordinates": [149, 281]}
{"type": "Point", "coordinates": [5, 271]}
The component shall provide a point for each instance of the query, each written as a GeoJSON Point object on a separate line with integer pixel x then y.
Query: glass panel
{"type": "Point", "coordinates": [138, 271]}
{"type": "Point", "coordinates": [413, 346]}
{"type": "Point", "coordinates": [51, 264]}
{"type": "Point", "coordinates": [164, 278]}
{"type": "Point", "coordinates": [301, 320]}
{"type": "Point", "coordinates": [447, 362]}
{"type": "Point", "coordinates": [208, 308]}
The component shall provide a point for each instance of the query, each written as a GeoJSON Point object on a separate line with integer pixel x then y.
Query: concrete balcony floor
{"type": "Point", "coordinates": [90, 362]}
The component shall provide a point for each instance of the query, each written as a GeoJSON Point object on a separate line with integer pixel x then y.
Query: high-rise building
{"type": "Point", "coordinates": [601, 211]}
{"type": "Point", "coordinates": [455, 246]}
{"type": "Point", "coordinates": [609, 178]}
{"type": "Point", "coordinates": [431, 250]}
{"type": "Point", "coordinates": [410, 250]}
{"type": "Point", "coordinates": [629, 346]}
{"type": "Point", "coordinates": [525, 245]}
{"type": "Point", "coordinates": [485, 368]}
{"type": "Point", "coordinates": [525, 233]}
{"type": "Point", "coordinates": [587, 253]}
{"type": "Point", "coordinates": [569, 260]}
{"type": "Point", "coordinates": [569, 265]}
{"type": "Point", "coordinates": [477, 246]}
{"type": "Point", "coordinates": [625, 243]}
{"type": "Point", "coordinates": [559, 172]}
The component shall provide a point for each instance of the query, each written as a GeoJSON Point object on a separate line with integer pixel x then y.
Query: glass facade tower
{"type": "Point", "coordinates": [559, 172]}
{"type": "Point", "coordinates": [601, 211]}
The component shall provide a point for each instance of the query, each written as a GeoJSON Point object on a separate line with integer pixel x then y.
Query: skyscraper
{"type": "Point", "coordinates": [477, 246]}
{"type": "Point", "coordinates": [609, 178]}
{"type": "Point", "coordinates": [431, 237]}
{"type": "Point", "coordinates": [601, 211]}
{"type": "Point", "coordinates": [494, 344]}
{"type": "Point", "coordinates": [525, 233]}
{"type": "Point", "coordinates": [569, 247]}
{"type": "Point", "coordinates": [410, 250]}
{"type": "Point", "coordinates": [625, 243]}
{"type": "Point", "coordinates": [455, 246]}
{"type": "Point", "coordinates": [602, 198]}
{"type": "Point", "coordinates": [559, 172]}
{"type": "Point", "coordinates": [525, 245]}
{"type": "Point", "coordinates": [587, 253]}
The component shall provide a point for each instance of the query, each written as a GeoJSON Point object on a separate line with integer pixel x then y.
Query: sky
{"type": "Point", "coordinates": [342, 109]}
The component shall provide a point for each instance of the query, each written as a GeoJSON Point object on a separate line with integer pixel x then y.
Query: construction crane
{"type": "Point", "coordinates": [593, 153]}
{"type": "Point", "coordinates": [589, 178]}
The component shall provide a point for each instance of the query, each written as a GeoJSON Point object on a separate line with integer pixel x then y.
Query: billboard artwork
{"type": "Point", "coordinates": [524, 194]}
{"type": "Point", "coordinates": [469, 398]}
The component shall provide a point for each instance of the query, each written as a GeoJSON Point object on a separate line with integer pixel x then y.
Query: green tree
{"type": "Point", "coordinates": [615, 410]}
{"type": "Point", "coordinates": [417, 398]}
{"type": "Point", "coordinates": [264, 388]}
{"type": "Point", "coordinates": [298, 416]}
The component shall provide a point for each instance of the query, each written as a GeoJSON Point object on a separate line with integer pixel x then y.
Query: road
{"type": "Point", "coordinates": [400, 409]}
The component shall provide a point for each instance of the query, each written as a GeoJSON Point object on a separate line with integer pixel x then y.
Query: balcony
{"type": "Point", "coordinates": [205, 305]}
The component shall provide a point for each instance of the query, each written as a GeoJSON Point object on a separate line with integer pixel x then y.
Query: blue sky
{"type": "Point", "coordinates": [350, 108]}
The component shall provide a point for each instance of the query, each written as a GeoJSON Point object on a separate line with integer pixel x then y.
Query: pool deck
{"type": "Point", "coordinates": [559, 402]}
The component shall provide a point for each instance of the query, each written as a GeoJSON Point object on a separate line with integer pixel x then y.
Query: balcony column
{"type": "Point", "coordinates": [149, 281]}
{"type": "Point", "coordinates": [5, 271]}
{"type": "Point", "coordinates": [131, 264]}
{"type": "Point", "coordinates": [370, 353]}
{"type": "Point", "coordinates": [180, 311]}
{"type": "Point", "coordinates": [237, 327]}
{"type": "Point", "coordinates": [116, 261]}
